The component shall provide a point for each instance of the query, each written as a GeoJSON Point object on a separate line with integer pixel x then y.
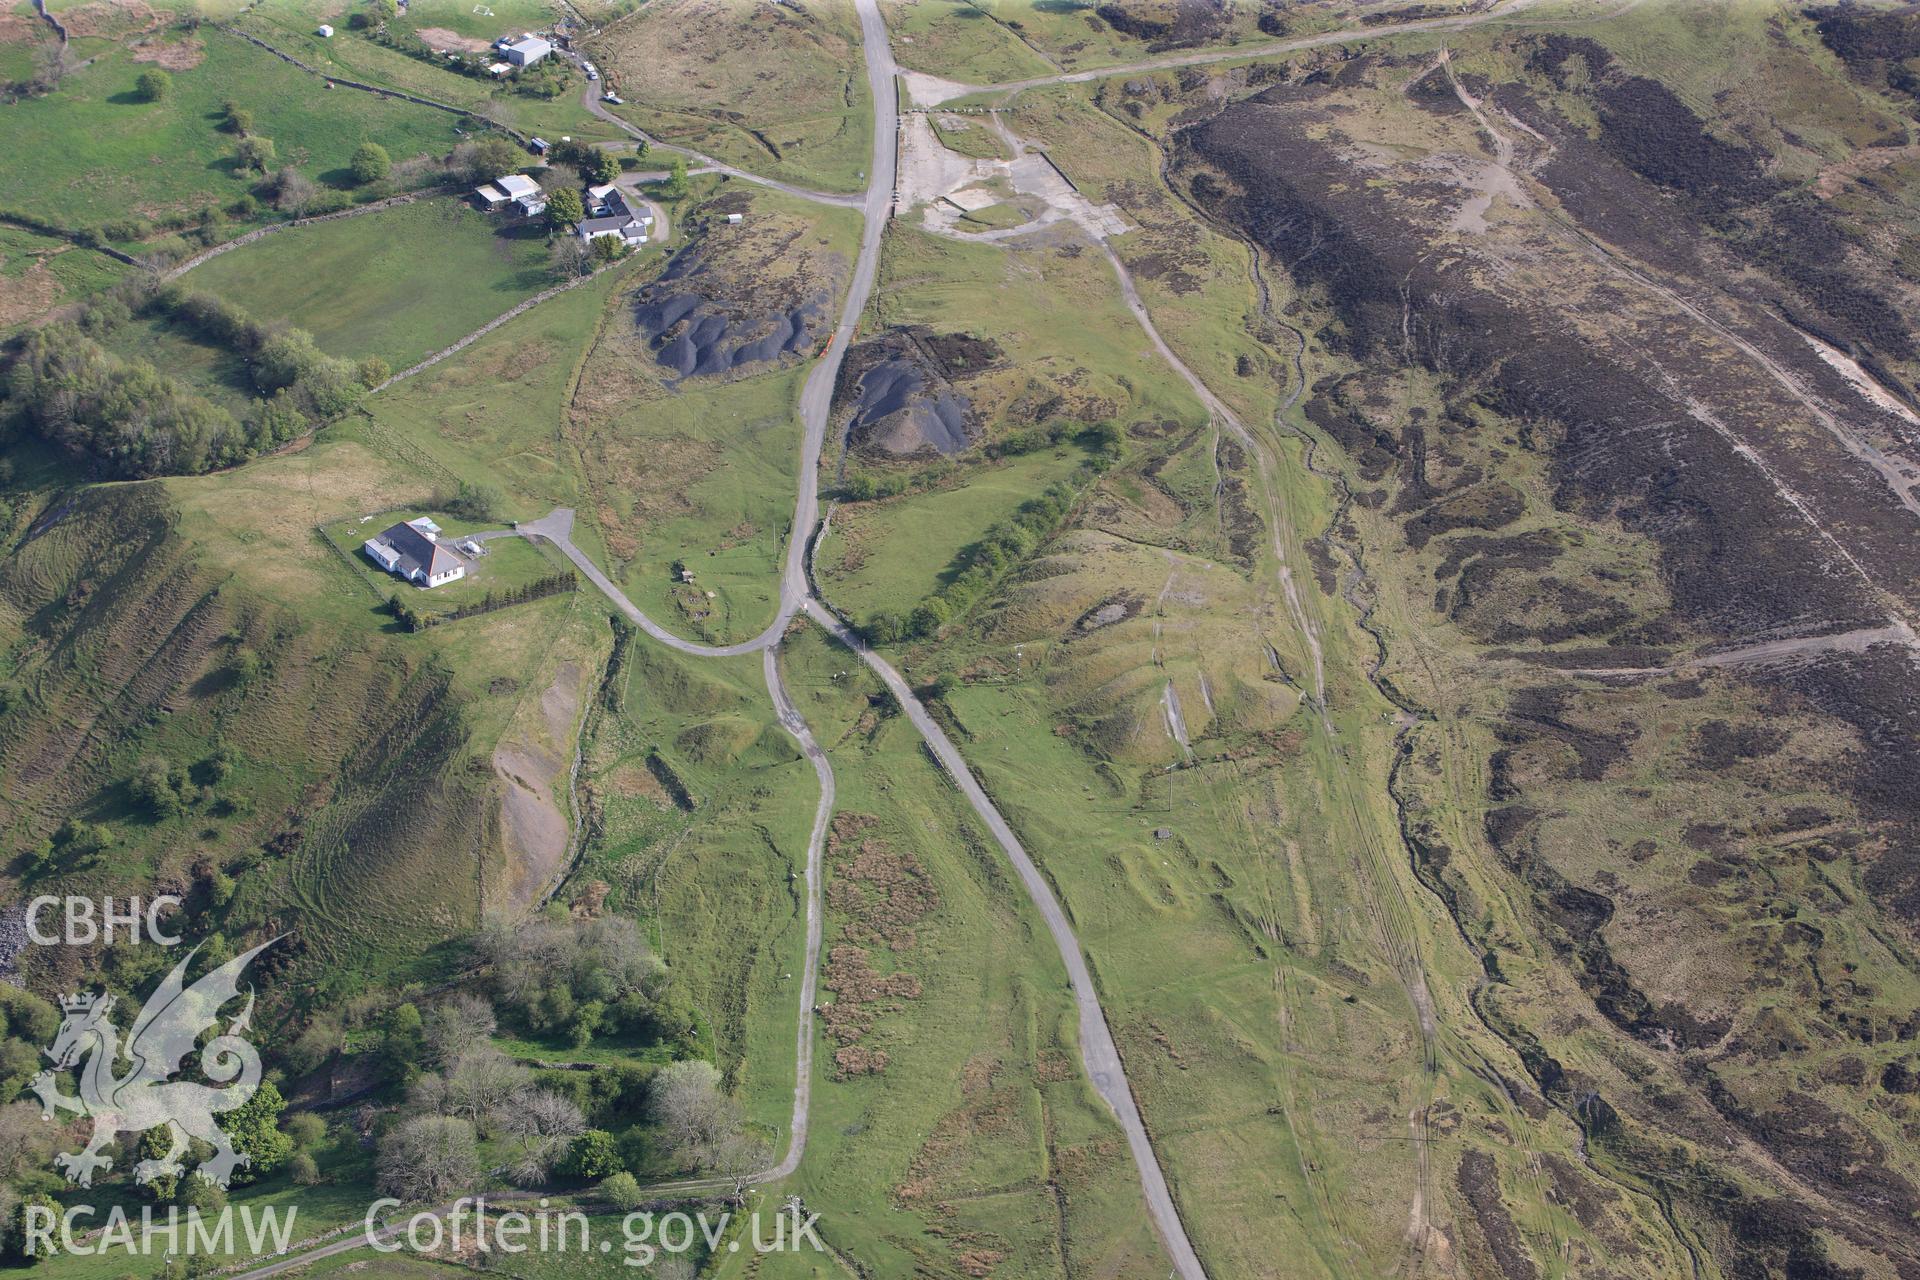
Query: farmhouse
{"type": "Point", "coordinates": [527, 50]}
{"type": "Point", "coordinates": [609, 214]}
{"type": "Point", "coordinates": [412, 551]}
{"type": "Point", "coordinates": [516, 189]}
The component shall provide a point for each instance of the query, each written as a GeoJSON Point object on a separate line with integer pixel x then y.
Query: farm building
{"type": "Point", "coordinates": [609, 214]}
{"type": "Point", "coordinates": [527, 50]}
{"type": "Point", "coordinates": [516, 189]}
{"type": "Point", "coordinates": [412, 551]}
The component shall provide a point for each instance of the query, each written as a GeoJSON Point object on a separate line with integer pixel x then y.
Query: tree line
{"type": "Point", "coordinates": [134, 422]}
{"type": "Point", "coordinates": [980, 564]}
{"type": "Point", "coordinates": [553, 584]}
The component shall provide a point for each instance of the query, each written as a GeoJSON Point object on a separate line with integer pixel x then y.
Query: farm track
{"type": "Point", "coordinates": [1267, 49]}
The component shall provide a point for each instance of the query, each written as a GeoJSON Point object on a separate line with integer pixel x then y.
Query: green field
{"type": "Point", "coordinates": [289, 25]}
{"type": "Point", "coordinates": [892, 554]}
{"type": "Point", "coordinates": [399, 283]}
{"type": "Point", "coordinates": [480, 21]}
{"type": "Point", "coordinates": [90, 154]}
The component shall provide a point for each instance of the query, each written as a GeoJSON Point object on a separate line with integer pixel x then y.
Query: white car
{"type": "Point", "coordinates": [612, 97]}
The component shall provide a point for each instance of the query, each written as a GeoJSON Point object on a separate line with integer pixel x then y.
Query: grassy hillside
{"type": "Point", "coordinates": [324, 758]}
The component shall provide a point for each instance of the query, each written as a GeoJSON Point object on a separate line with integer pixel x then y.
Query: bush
{"type": "Point", "coordinates": [473, 502]}
{"type": "Point", "coordinates": [304, 1170]}
{"type": "Point", "coordinates": [254, 154]}
{"type": "Point", "coordinates": [592, 1155]}
{"type": "Point", "coordinates": [306, 1129]}
{"type": "Point", "coordinates": [622, 1191]}
{"type": "Point", "coordinates": [370, 163]}
{"type": "Point", "coordinates": [152, 85]}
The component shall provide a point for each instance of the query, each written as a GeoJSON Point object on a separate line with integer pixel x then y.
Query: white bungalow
{"type": "Point", "coordinates": [413, 551]}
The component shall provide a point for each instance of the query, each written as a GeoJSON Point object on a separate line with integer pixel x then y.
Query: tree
{"type": "Point", "coordinates": [383, 10]}
{"type": "Point", "coordinates": [199, 1194]}
{"type": "Point", "coordinates": [692, 1111]}
{"type": "Point", "coordinates": [26, 1140]}
{"type": "Point", "coordinates": [80, 839]}
{"type": "Point", "coordinates": [370, 163]}
{"type": "Point", "coordinates": [608, 248]}
{"type": "Point", "coordinates": [676, 184]}
{"type": "Point", "coordinates": [592, 1155]}
{"type": "Point", "coordinates": [254, 1129]}
{"type": "Point", "coordinates": [306, 1129]}
{"type": "Point", "coordinates": [49, 66]}
{"type": "Point", "coordinates": [402, 1040]}
{"type": "Point", "coordinates": [373, 371]}
{"type": "Point", "coordinates": [293, 191]}
{"type": "Point", "coordinates": [474, 501]}
{"type": "Point", "coordinates": [564, 208]}
{"type": "Point", "coordinates": [427, 1158]}
{"type": "Point", "coordinates": [154, 787]}
{"type": "Point", "coordinates": [17, 1234]}
{"type": "Point", "coordinates": [152, 85]}
{"type": "Point", "coordinates": [304, 1170]}
{"type": "Point", "coordinates": [458, 1026]}
{"type": "Point", "coordinates": [488, 158]}
{"type": "Point", "coordinates": [569, 258]}
{"type": "Point", "coordinates": [244, 665]}
{"type": "Point", "coordinates": [239, 120]}
{"type": "Point", "coordinates": [599, 167]}
{"type": "Point", "coordinates": [483, 1085]}
{"type": "Point", "coordinates": [546, 1124]}
{"type": "Point", "coordinates": [928, 618]}
{"type": "Point", "coordinates": [254, 154]}
{"type": "Point", "coordinates": [739, 1156]}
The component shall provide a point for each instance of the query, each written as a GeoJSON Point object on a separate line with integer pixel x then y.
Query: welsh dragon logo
{"type": "Point", "coordinates": [145, 1096]}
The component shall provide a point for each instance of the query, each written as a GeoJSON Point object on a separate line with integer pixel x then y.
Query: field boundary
{"type": "Point", "coordinates": [405, 197]}
{"type": "Point", "coordinates": [493, 324]}
{"type": "Point", "coordinates": [400, 94]}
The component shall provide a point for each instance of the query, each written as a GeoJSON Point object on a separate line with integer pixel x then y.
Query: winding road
{"type": "Point", "coordinates": [1099, 1053]}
